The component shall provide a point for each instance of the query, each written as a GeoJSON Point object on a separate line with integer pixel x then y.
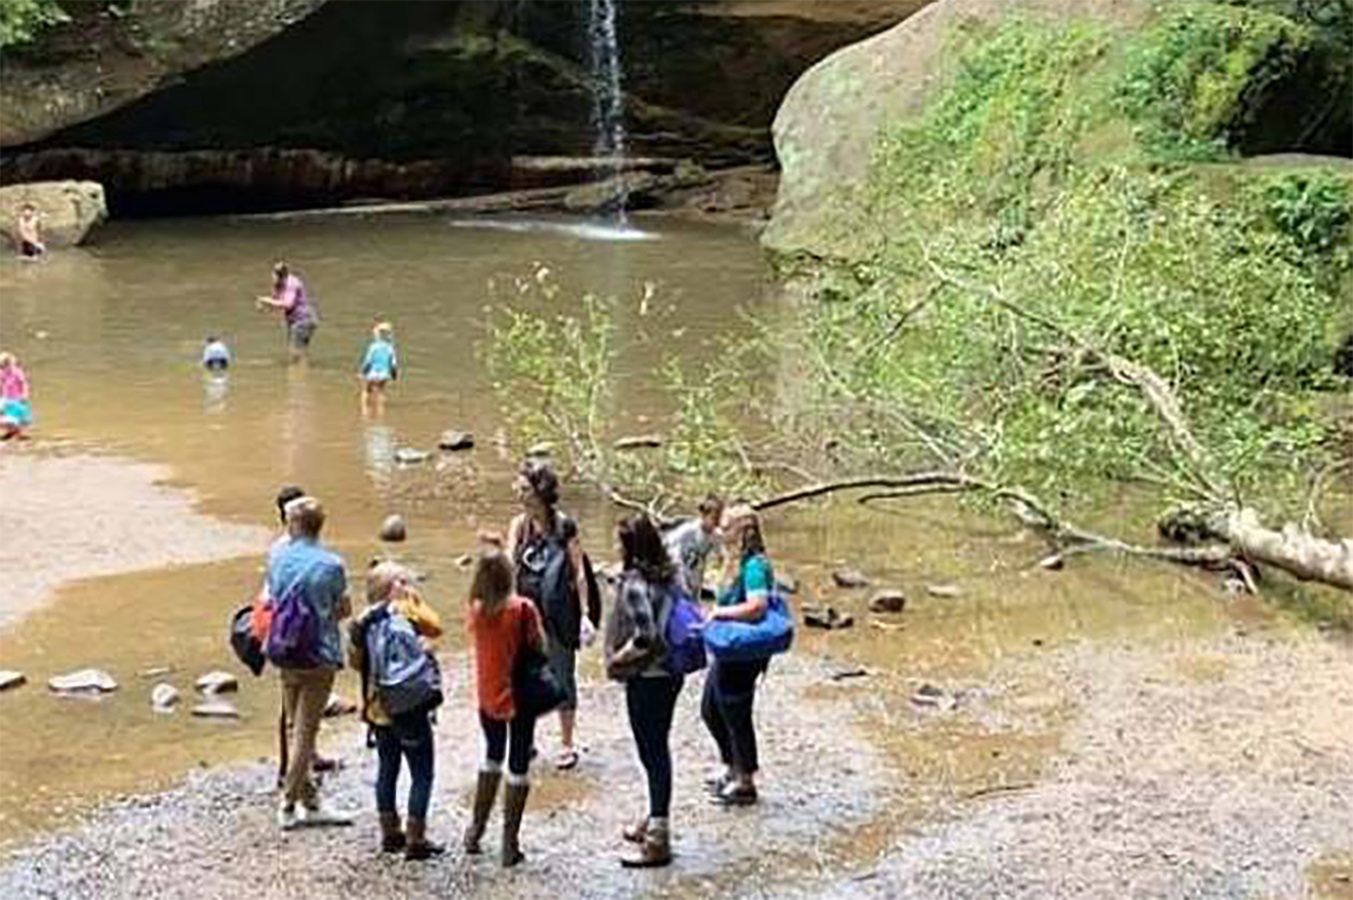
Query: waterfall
{"type": "Point", "coordinates": [608, 100]}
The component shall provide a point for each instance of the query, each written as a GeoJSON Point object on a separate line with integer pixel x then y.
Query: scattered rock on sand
{"type": "Point", "coordinates": [154, 672]}
{"type": "Point", "coordinates": [850, 578]}
{"type": "Point", "coordinates": [888, 600]}
{"type": "Point", "coordinates": [84, 681]}
{"type": "Point", "coordinates": [831, 619]}
{"type": "Point", "coordinates": [216, 709]}
{"type": "Point", "coordinates": [164, 697]}
{"type": "Point", "coordinates": [217, 682]}
{"type": "Point", "coordinates": [638, 442]}
{"type": "Point", "coordinates": [1053, 563]}
{"type": "Point", "coordinates": [393, 529]}
{"type": "Point", "coordinates": [11, 679]}
{"type": "Point", "coordinates": [455, 440]}
{"type": "Point", "coordinates": [338, 706]}
{"type": "Point", "coordinates": [943, 590]}
{"type": "Point", "coordinates": [410, 456]}
{"type": "Point", "coordinates": [930, 696]}
{"type": "Point", "coordinates": [544, 448]}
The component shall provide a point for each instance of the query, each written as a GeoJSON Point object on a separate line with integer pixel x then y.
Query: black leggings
{"type": "Point", "coordinates": [726, 707]}
{"type": "Point", "coordinates": [496, 744]}
{"type": "Point", "coordinates": [651, 703]}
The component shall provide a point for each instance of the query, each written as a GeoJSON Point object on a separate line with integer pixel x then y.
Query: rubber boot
{"type": "Point", "coordinates": [655, 851]}
{"type": "Point", "coordinates": [485, 793]}
{"type": "Point", "coordinates": [392, 837]}
{"type": "Point", "coordinates": [514, 805]}
{"type": "Point", "coordinates": [419, 846]}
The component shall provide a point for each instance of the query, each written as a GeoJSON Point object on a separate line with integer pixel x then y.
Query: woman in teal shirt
{"type": "Point", "coordinates": [730, 687]}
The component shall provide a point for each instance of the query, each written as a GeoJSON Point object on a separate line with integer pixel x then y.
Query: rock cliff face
{"type": "Point", "coordinates": [101, 61]}
{"type": "Point", "coordinates": [441, 97]}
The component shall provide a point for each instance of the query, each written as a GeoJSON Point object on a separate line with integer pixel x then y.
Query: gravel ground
{"type": "Point", "coordinates": [69, 517]}
{"type": "Point", "coordinates": [215, 836]}
{"type": "Point", "coordinates": [1215, 769]}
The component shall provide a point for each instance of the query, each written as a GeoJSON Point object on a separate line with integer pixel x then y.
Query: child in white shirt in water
{"type": "Point", "coordinates": [215, 355]}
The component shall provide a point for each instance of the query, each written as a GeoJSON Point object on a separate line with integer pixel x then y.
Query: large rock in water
{"type": "Point", "coordinates": [827, 126]}
{"type": "Point", "coordinates": [68, 209]}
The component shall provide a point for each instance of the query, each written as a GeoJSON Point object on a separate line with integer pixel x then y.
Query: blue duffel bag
{"type": "Point", "coordinates": [731, 641]}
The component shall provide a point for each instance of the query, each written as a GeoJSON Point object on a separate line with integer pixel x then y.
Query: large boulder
{"type": "Point", "coordinates": [827, 126]}
{"type": "Point", "coordinates": [68, 209]}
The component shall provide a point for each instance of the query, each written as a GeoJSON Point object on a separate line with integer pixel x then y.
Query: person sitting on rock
{"type": "Point", "coordinates": [30, 232]}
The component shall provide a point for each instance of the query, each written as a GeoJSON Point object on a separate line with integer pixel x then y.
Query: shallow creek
{"type": "Point", "coordinates": [110, 336]}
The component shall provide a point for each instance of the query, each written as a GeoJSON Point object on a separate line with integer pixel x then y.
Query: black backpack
{"type": "Point", "coordinates": [545, 574]}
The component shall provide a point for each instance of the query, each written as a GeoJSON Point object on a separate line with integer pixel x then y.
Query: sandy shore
{"type": "Point", "coordinates": [66, 517]}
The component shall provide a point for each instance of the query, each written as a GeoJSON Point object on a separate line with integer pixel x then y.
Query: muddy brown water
{"type": "Point", "coordinates": [110, 336]}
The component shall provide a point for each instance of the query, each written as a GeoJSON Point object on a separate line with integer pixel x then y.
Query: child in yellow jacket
{"type": "Point", "coordinates": [407, 736]}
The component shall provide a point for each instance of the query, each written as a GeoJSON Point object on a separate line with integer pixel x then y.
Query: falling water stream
{"type": "Point", "coordinates": [608, 102]}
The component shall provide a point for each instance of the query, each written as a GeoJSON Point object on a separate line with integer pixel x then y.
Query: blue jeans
{"type": "Point", "coordinates": [651, 703]}
{"type": "Point", "coordinates": [408, 737]}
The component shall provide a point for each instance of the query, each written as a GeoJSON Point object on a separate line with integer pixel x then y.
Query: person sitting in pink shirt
{"type": "Point", "coordinates": [16, 412]}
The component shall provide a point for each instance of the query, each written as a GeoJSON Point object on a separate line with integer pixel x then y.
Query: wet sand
{"type": "Point", "coordinates": [67, 516]}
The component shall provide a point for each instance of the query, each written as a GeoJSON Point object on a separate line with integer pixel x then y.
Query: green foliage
{"type": "Point", "coordinates": [21, 20]}
{"type": "Point", "coordinates": [553, 361]}
{"type": "Point", "coordinates": [1012, 118]}
{"type": "Point", "coordinates": [1312, 207]}
{"type": "Point", "coordinates": [1194, 79]}
{"type": "Point", "coordinates": [1015, 259]}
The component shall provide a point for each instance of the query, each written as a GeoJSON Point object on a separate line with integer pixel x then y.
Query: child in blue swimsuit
{"type": "Point", "coordinates": [380, 366]}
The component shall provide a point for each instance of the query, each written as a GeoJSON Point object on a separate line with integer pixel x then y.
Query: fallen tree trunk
{"type": "Point", "coordinates": [1292, 549]}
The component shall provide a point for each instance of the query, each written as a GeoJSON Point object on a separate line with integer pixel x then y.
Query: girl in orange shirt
{"type": "Point", "coordinates": [500, 624]}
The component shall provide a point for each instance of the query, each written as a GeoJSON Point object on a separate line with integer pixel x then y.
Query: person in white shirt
{"type": "Point", "coordinates": [691, 543]}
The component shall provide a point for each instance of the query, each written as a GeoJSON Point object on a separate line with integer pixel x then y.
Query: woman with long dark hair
{"type": "Point", "coordinates": [730, 686]}
{"type": "Point", "coordinates": [547, 559]}
{"type": "Point", "coordinates": [636, 655]}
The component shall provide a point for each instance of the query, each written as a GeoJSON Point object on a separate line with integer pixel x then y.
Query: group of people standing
{"type": "Point", "coordinates": [531, 595]}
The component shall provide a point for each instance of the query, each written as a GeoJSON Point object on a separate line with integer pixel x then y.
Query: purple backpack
{"type": "Point", "coordinates": [682, 634]}
{"type": "Point", "coordinates": [293, 638]}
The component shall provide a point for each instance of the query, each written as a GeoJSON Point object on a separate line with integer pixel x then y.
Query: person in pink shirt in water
{"type": "Point", "coordinates": [289, 296]}
{"type": "Point", "coordinates": [16, 413]}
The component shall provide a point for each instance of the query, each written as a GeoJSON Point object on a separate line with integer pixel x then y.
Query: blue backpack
{"type": "Point", "coordinates": [730, 641]}
{"type": "Point", "coordinates": [406, 677]}
{"type": "Point", "coordinates": [682, 634]}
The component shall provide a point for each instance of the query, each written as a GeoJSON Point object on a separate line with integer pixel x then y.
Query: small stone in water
{"type": "Point", "coordinates": [455, 440]}
{"type": "Point", "coordinates": [216, 709]}
{"type": "Point", "coordinates": [544, 448]}
{"type": "Point", "coordinates": [163, 697]}
{"type": "Point", "coordinates": [1053, 563]}
{"type": "Point", "coordinates": [943, 590]}
{"type": "Point", "coordinates": [393, 529]}
{"type": "Point", "coordinates": [217, 682]}
{"type": "Point", "coordinates": [84, 681]}
{"type": "Point", "coordinates": [409, 456]}
{"type": "Point", "coordinates": [155, 672]}
{"type": "Point", "coordinates": [888, 600]}
{"type": "Point", "coordinates": [11, 679]}
{"type": "Point", "coordinates": [464, 561]}
{"type": "Point", "coordinates": [831, 620]}
{"type": "Point", "coordinates": [850, 578]}
{"type": "Point", "coordinates": [787, 583]}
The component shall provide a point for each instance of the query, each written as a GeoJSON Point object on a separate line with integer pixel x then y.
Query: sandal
{"type": "Point", "coordinates": [567, 759]}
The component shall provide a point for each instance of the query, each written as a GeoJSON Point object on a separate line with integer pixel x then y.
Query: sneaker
{"type": "Point", "coordinates": [734, 794]}
{"type": "Point", "coordinates": [318, 816]}
{"type": "Point", "coordinates": [286, 817]}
